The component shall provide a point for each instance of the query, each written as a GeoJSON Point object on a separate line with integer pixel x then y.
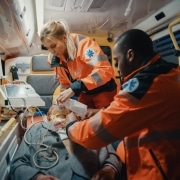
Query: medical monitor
{"type": "Point", "coordinates": [19, 95]}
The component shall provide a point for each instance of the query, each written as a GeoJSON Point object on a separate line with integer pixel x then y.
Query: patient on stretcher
{"type": "Point", "coordinates": [46, 153]}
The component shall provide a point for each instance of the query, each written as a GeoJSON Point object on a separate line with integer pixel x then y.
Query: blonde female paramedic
{"type": "Point", "coordinates": [83, 69]}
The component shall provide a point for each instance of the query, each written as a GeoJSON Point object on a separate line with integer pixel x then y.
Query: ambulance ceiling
{"type": "Point", "coordinates": [20, 20]}
{"type": "Point", "coordinates": [98, 17]}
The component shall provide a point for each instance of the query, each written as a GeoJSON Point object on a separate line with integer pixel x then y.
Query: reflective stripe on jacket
{"type": "Point", "coordinates": [145, 114]}
{"type": "Point", "coordinates": [90, 70]}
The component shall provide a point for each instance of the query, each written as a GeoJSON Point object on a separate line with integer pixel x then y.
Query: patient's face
{"type": "Point", "coordinates": [57, 115]}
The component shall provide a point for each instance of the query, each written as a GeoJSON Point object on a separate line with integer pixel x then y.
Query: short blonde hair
{"type": "Point", "coordinates": [56, 29]}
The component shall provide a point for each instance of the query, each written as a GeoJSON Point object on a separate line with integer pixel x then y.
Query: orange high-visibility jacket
{"type": "Point", "coordinates": [146, 115]}
{"type": "Point", "coordinates": [89, 71]}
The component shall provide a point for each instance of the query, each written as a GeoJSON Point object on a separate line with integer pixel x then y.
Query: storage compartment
{"type": "Point", "coordinates": [9, 143]}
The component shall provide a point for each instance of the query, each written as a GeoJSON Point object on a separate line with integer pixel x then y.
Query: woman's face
{"type": "Point", "coordinates": [56, 46]}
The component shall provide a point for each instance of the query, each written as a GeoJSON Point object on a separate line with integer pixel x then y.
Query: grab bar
{"type": "Point", "coordinates": [177, 48]}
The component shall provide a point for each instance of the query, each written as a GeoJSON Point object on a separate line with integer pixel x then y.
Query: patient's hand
{"type": "Point", "coordinates": [106, 173]}
{"type": "Point", "coordinates": [45, 177]}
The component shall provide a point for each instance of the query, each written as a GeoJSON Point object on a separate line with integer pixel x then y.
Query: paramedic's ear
{"type": "Point", "coordinates": [65, 38]}
{"type": "Point", "coordinates": [130, 55]}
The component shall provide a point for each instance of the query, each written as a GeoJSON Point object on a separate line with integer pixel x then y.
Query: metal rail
{"type": "Point", "coordinates": [177, 48]}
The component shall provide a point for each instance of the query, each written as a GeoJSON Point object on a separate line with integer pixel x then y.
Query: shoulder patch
{"type": "Point", "coordinates": [89, 53]}
{"type": "Point", "coordinates": [131, 85]}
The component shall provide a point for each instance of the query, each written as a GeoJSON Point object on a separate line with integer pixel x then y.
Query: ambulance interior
{"type": "Point", "coordinates": [25, 75]}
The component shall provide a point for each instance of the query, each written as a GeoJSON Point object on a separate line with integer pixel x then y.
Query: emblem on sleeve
{"type": "Point", "coordinates": [131, 85]}
{"type": "Point", "coordinates": [89, 53]}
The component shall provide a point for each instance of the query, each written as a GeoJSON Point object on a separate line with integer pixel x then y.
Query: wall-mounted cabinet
{"type": "Point", "coordinates": [17, 26]}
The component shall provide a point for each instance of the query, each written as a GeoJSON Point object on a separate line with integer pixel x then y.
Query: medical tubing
{"type": "Point", "coordinates": [46, 148]}
{"type": "Point", "coordinates": [32, 120]}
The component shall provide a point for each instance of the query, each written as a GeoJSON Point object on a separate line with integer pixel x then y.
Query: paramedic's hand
{"type": "Point", "coordinates": [45, 177]}
{"type": "Point", "coordinates": [71, 117]}
{"type": "Point", "coordinates": [64, 95]}
{"type": "Point", "coordinates": [106, 173]}
{"type": "Point", "coordinates": [91, 112]}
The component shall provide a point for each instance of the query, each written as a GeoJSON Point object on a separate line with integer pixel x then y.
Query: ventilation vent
{"type": "Point", "coordinates": [69, 5]}
{"type": "Point", "coordinates": [78, 5]}
{"type": "Point", "coordinates": [99, 5]}
{"type": "Point", "coordinates": [55, 5]}
{"type": "Point", "coordinates": [58, 3]}
{"type": "Point", "coordinates": [165, 47]}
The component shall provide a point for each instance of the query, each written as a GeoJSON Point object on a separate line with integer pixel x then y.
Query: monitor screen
{"type": "Point", "coordinates": [15, 91]}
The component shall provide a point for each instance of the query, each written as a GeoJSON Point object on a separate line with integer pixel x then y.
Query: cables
{"type": "Point", "coordinates": [30, 111]}
{"type": "Point", "coordinates": [54, 157]}
{"type": "Point", "coordinates": [49, 150]}
{"type": "Point", "coordinates": [42, 149]}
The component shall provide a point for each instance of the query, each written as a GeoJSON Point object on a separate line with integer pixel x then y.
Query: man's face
{"type": "Point", "coordinates": [122, 61]}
